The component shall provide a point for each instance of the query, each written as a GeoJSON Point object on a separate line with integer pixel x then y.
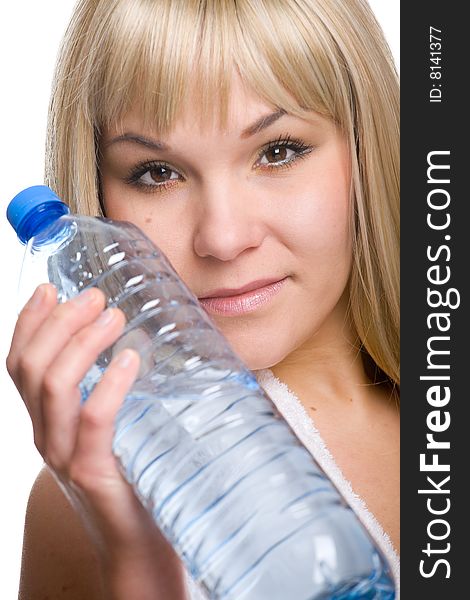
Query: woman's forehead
{"type": "Point", "coordinates": [245, 115]}
{"type": "Point", "coordinates": [247, 112]}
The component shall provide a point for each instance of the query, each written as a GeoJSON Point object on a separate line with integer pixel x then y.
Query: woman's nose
{"type": "Point", "coordinates": [229, 222]}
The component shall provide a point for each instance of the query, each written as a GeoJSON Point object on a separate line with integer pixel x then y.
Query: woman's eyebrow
{"type": "Point", "coordinates": [138, 139]}
{"type": "Point", "coordinates": [260, 124]}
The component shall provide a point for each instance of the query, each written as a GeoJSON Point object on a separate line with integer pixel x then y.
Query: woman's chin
{"type": "Point", "coordinates": [260, 342]}
{"type": "Point", "coordinates": [257, 357]}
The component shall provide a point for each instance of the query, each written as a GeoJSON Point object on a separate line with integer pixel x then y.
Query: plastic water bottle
{"type": "Point", "coordinates": [242, 501]}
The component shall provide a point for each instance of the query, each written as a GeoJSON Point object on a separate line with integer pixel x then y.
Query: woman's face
{"type": "Point", "coordinates": [266, 200]}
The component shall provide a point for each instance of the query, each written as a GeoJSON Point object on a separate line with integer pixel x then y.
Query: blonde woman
{"type": "Point", "coordinates": [256, 142]}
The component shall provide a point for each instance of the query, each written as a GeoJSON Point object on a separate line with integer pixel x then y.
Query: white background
{"type": "Point", "coordinates": [30, 33]}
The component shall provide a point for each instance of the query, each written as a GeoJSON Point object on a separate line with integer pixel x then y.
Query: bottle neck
{"type": "Point", "coordinates": [40, 218]}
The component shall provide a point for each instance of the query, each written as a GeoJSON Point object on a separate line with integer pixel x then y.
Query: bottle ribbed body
{"type": "Point", "coordinates": [245, 505]}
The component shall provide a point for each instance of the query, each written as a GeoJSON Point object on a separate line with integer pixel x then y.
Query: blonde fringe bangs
{"type": "Point", "coordinates": [150, 56]}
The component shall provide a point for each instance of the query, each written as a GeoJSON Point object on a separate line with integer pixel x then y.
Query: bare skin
{"type": "Point", "coordinates": [237, 220]}
{"type": "Point", "coordinates": [361, 428]}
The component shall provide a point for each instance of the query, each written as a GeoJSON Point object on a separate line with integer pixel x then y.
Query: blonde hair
{"type": "Point", "coordinates": [327, 56]}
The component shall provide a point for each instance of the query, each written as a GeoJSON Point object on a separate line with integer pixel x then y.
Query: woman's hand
{"type": "Point", "coordinates": [53, 347]}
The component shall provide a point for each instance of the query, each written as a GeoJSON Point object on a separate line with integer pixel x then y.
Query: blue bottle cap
{"type": "Point", "coordinates": [34, 208]}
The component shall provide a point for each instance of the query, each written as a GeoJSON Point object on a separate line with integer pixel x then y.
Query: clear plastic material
{"type": "Point", "coordinates": [242, 501]}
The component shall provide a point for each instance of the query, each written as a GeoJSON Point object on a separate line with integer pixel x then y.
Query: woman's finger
{"type": "Point", "coordinates": [60, 397]}
{"type": "Point", "coordinates": [33, 314]}
{"type": "Point", "coordinates": [94, 476]}
{"type": "Point", "coordinates": [49, 339]}
{"type": "Point", "coordinates": [37, 344]}
{"type": "Point", "coordinates": [94, 466]}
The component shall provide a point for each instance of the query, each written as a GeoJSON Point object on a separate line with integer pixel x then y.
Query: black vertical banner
{"type": "Point", "coordinates": [435, 169]}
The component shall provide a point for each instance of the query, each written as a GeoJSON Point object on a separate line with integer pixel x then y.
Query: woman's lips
{"type": "Point", "coordinates": [242, 303]}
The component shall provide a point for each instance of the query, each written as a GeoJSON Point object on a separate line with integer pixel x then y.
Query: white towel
{"type": "Point", "coordinates": [295, 414]}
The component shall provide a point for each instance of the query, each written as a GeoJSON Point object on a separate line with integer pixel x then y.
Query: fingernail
{"type": "Point", "coordinates": [124, 359]}
{"type": "Point", "coordinates": [37, 297]}
{"type": "Point", "coordinates": [85, 297]}
{"type": "Point", "coordinates": [105, 317]}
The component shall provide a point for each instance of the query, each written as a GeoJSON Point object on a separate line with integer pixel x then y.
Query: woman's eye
{"type": "Point", "coordinates": [153, 177]}
{"type": "Point", "coordinates": [159, 174]}
{"type": "Point", "coordinates": [283, 152]}
{"type": "Point", "coordinates": [277, 154]}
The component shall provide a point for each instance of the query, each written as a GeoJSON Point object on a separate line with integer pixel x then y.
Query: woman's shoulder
{"type": "Point", "coordinates": [58, 557]}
